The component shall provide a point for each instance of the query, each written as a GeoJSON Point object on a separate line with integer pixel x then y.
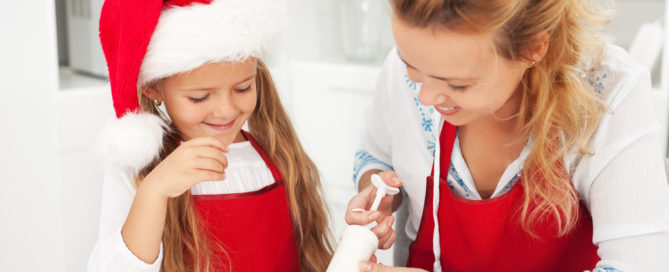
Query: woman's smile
{"type": "Point", "coordinates": [447, 110]}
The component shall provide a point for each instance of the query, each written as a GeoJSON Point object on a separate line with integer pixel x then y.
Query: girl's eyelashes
{"type": "Point", "coordinates": [203, 98]}
{"type": "Point", "coordinates": [198, 99]}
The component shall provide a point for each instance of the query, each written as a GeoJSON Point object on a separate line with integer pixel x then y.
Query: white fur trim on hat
{"type": "Point", "coordinates": [224, 30]}
{"type": "Point", "coordinates": [133, 141]}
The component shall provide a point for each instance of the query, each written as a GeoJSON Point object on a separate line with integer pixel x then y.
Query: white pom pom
{"type": "Point", "coordinates": [133, 141]}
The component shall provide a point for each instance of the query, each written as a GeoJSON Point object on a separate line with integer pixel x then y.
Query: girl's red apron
{"type": "Point", "coordinates": [255, 228]}
{"type": "Point", "coordinates": [486, 235]}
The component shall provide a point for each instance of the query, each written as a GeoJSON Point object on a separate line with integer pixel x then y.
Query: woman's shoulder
{"type": "Point", "coordinates": [616, 76]}
{"type": "Point", "coordinates": [625, 86]}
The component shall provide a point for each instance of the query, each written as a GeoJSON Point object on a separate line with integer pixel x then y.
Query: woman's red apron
{"type": "Point", "coordinates": [254, 228]}
{"type": "Point", "coordinates": [486, 235]}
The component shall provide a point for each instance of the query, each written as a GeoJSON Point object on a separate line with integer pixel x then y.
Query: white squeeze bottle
{"type": "Point", "coordinates": [358, 243]}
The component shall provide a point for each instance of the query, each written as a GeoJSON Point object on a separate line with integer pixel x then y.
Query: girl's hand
{"type": "Point", "coordinates": [384, 218]}
{"type": "Point", "coordinates": [374, 267]}
{"type": "Point", "coordinates": [199, 159]}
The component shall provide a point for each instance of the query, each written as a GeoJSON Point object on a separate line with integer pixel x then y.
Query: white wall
{"type": "Point", "coordinates": [31, 232]}
{"type": "Point", "coordinates": [80, 115]}
{"type": "Point", "coordinates": [50, 199]}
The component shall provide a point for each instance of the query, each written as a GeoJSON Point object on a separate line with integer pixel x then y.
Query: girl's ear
{"type": "Point", "coordinates": [151, 91]}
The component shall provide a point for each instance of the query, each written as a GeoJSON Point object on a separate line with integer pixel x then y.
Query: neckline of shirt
{"type": "Point", "coordinates": [461, 168]}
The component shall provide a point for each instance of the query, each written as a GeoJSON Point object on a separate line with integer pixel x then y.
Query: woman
{"type": "Point", "coordinates": [543, 139]}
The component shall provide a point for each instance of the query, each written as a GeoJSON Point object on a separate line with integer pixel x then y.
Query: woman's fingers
{"type": "Point", "coordinates": [390, 178]}
{"type": "Point", "coordinates": [358, 217]}
{"type": "Point", "coordinates": [385, 232]}
{"type": "Point", "coordinates": [356, 213]}
{"type": "Point", "coordinates": [390, 241]}
{"type": "Point", "coordinates": [374, 267]}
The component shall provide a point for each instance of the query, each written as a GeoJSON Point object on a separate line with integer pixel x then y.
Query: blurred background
{"type": "Point", "coordinates": [54, 100]}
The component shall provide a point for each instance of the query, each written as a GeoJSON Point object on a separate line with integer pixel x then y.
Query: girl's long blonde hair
{"type": "Point", "coordinates": [183, 235]}
{"type": "Point", "coordinates": [558, 109]}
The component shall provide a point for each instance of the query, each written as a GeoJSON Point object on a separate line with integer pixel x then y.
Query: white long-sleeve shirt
{"type": "Point", "coordinates": [246, 172]}
{"type": "Point", "coordinates": [624, 184]}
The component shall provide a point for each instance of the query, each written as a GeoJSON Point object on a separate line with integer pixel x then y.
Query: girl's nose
{"type": "Point", "coordinates": [223, 107]}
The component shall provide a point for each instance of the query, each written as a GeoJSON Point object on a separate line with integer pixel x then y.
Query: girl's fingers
{"type": "Point", "coordinates": [208, 164]}
{"type": "Point", "coordinates": [205, 175]}
{"type": "Point", "coordinates": [209, 141]}
{"type": "Point", "coordinates": [211, 153]}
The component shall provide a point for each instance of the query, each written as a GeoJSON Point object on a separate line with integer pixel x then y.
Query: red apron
{"type": "Point", "coordinates": [255, 228]}
{"type": "Point", "coordinates": [485, 235]}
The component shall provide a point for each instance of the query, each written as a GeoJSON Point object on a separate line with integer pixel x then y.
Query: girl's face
{"type": "Point", "coordinates": [461, 75]}
{"type": "Point", "coordinates": [213, 100]}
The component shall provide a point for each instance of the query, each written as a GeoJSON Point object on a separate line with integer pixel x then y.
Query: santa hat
{"type": "Point", "coordinates": [153, 39]}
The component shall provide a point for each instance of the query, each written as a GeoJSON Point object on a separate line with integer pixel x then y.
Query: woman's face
{"type": "Point", "coordinates": [213, 100]}
{"type": "Point", "coordinates": [461, 75]}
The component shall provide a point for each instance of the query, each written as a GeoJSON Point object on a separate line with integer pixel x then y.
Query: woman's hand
{"type": "Point", "coordinates": [196, 160]}
{"type": "Point", "coordinates": [363, 201]}
{"type": "Point", "coordinates": [374, 267]}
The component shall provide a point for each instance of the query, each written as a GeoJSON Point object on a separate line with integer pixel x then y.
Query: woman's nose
{"type": "Point", "coordinates": [431, 95]}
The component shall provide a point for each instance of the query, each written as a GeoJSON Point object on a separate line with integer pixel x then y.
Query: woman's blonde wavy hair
{"type": "Point", "coordinates": [183, 235]}
{"type": "Point", "coordinates": [558, 109]}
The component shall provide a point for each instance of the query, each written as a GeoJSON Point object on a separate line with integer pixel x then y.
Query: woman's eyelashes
{"type": "Point", "coordinates": [244, 89]}
{"type": "Point", "coordinates": [458, 87]}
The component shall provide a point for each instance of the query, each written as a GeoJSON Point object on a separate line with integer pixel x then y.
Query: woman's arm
{"type": "Point", "coordinates": [624, 183]}
{"type": "Point", "coordinates": [629, 202]}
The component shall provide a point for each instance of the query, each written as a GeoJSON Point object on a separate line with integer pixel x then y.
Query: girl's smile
{"type": "Point", "coordinates": [221, 126]}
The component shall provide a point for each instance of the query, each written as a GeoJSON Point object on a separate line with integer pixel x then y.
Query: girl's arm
{"type": "Point", "coordinates": [193, 161]}
{"type": "Point", "coordinates": [136, 246]}
{"type": "Point", "coordinates": [143, 229]}
{"type": "Point", "coordinates": [110, 252]}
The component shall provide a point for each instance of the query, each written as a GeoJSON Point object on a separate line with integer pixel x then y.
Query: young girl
{"type": "Point", "coordinates": [191, 190]}
{"type": "Point", "coordinates": [548, 157]}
